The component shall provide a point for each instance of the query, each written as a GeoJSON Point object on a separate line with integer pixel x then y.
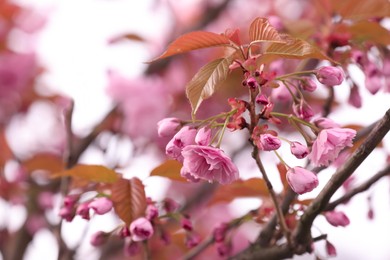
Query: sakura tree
{"type": "Point", "coordinates": [234, 122]}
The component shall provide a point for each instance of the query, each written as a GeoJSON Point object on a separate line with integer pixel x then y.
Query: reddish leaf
{"type": "Point", "coordinates": [282, 174]}
{"type": "Point", "coordinates": [94, 173]}
{"type": "Point", "coordinates": [370, 31]}
{"type": "Point", "coordinates": [193, 41]}
{"type": "Point", "coordinates": [261, 30]}
{"type": "Point", "coordinates": [295, 48]}
{"type": "Point", "coordinates": [128, 36]}
{"type": "Point", "coordinates": [5, 152]}
{"type": "Point", "coordinates": [234, 35]}
{"type": "Point", "coordinates": [254, 187]}
{"type": "Point", "coordinates": [169, 169]}
{"type": "Point", "coordinates": [206, 81]}
{"type": "Point", "coordinates": [129, 199]}
{"type": "Point", "coordinates": [44, 161]}
{"type": "Point", "coordinates": [361, 9]}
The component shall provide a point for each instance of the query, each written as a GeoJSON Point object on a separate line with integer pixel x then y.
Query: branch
{"type": "Point", "coordinates": [363, 187]}
{"type": "Point", "coordinates": [302, 232]}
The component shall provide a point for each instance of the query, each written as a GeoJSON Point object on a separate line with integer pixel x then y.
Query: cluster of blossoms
{"type": "Point", "coordinates": [201, 161]}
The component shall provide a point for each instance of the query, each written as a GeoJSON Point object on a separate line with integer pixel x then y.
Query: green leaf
{"type": "Point", "coordinates": [169, 169]}
{"type": "Point", "coordinates": [295, 48]}
{"type": "Point", "coordinates": [129, 199]}
{"type": "Point", "coordinates": [193, 41]}
{"type": "Point", "coordinates": [254, 187]}
{"type": "Point", "coordinates": [206, 81]}
{"type": "Point", "coordinates": [94, 173]}
{"type": "Point", "coordinates": [261, 30]}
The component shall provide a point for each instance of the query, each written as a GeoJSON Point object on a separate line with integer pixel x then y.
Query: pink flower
{"type": "Point", "coordinates": [330, 249]}
{"type": "Point", "coordinates": [374, 78]}
{"type": "Point", "coordinates": [168, 126]}
{"type": "Point", "coordinates": [98, 238]}
{"type": "Point", "coordinates": [330, 76]}
{"type": "Point", "coordinates": [301, 180]}
{"type": "Point", "coordinates": [329, 144]}
{"type": "Point", "coordinates": [83, 210]}
{"type": "Point", "coordinates": [268, 142]}
{"type": "Point", "coordinates": [184, 137]}
{"type": "Point", "coordinates": [209, 163]}
{"type": "Point", "coordinates": [203, 136]}
{"type": "Point", "coordinates": [101, 205]}
{"type": "Point", "coordinates": [141, 229]}
{"type": "Point", "coordinates": [151, 212]}
{"type": "Point", "coordinates": [299, 150]}
{"type": "Point", "coordinates": [325, 123]}
{"type": "Point", "coordinates": [308, 84]}
{"type": "Point", "coordinates": [337, 218]}
{"type": "Point", "coordinates": [354, 97]}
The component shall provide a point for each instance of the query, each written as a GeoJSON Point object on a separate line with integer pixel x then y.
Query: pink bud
{"type": "Point", "coordinates": [66, 213]}
{"type": "Point", "coordinates": [141, 229]}
{"type": "Point", "coordinates": [168, 126]}
{"type": "Point", "coordinates": [99, 238]}
{"type": "Point", "coordinates": [70, 200]}
{"type": "Point", "coordinates": [219, 232]}
{"type": "Point", "coordinates": [354, 97]}
{"type": "Point", "coordinates": [124, 232]}
{"type": "Point", "coordinates": [337, 218]}
{"type": "Point", "coordinates": [83, 210]}
{"type": "Point", "coordinates": [132, 248]}
{"type": "Point", "coordinates": [192, 240]}
{"type": "Point", "coordinates": [262, 99]}
{"type": "Point", "coordinates": [303, 110]}
{"type": "Point", "coordinates": [186, 224]}
{"type": "Point", "coordinates": [170, 205]}
{"type": "Point", "coordinates": [301, 180]}
{"type": "Point", "coordinates": [151, 212]}
{"type": "Point", "coordinates": [330, 76]}
{"type": "Point", "coordinates": [374, 79]}
{"type": "Point", "coordinates": [308, 84]}
{"type": "Point", "coordinates": [252, 83]}
{"type": "Point", "coordinates": [269, 142]}
{"type": "Point", "coordinates": [203, 136]}
{"type": "Point", "coordinates": [184, 137]}
{"type": "Point", "coordinates": [224, 249]}
{"type": "Point", "coordinates": [101, 205]}
{"type": "Point", "coordinates": [325, 123]}
{"type": "Point", "coordinates": [299, 150]}
{"type": "Point", "coordinates": [330, 249]}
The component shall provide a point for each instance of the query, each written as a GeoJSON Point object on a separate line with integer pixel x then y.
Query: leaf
{"type": "Point", "coordinates": [254, 187]}
{"type": "Point", "coordinates": [193, 41]}
{"type": "Point", "coordinates": [129, 199]}
{"type": "Point", "coordinates": [44, 161]}
{"type": "Point", "coordinates": [282, 174]}
{"type": "Point", "coordinates": [5, 151]}
{"type": "Point", "coordinates": [370, 31]}
{"type": "Point", "coordinates": [261, 30]}
{"type": "Point", "coordinates": [94, 173]}
{"type": "Point", "coordinates": [295, 48]}
{"type": "Point", "coordinates": [128, 36]}
{"type": "Point", "coordinates": [169, 169]}
{"type": "Point", "coordinates": [361, 9]}
{"type": "Point", "coordinates": [206, 81]}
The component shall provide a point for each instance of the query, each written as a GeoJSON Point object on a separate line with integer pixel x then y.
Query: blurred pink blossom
{"type": "Point", "coordinates": [101, 205]}
{"type": "Point", "coordinates": [141, 229]}
{"type": "Point", "coordinates": [337, 218]}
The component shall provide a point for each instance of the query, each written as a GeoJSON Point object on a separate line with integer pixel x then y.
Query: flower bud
{"type": "Point", "coordinates": [141, 229]}
{"type": "Point", "coordinates": [301, 180]}
{"type": "Point", "coordinates": [101, 205]}
{"type": "Point", "coordinates": [184, 137]}
{"type": "Point", "coordinates": [186, 224]}
{"type": "Point", "coordinates": [269, 142]}
{"type": "Point", "coordinates": [203, 136]}
{"type": "Point", "coordinates": [262, 99]}
{"type": "Point", "coordinates": [303, 110]}
{"type": "Point", "coordinates": [325, 123]}
{"type": "Point", "coordinates": [168, 126]}
{"type": "Point", "coordinates": [337, 218]}
{"type": "Point", "coordinates": [132, 248]}
{"type": "Point", "coordinates": [66, 213]}
{"type": "Point", "coordinates": [219, 232]}
{"type": "Point", "coordinates": [252, 83]}
{"type": "Point", "coordinates": [83, 210]}
{"type": "Point", "coordinates": [330, 76]}
{"type": "Point", "coordinates": [299, 150]}
{"type": "Point", "coordinates": [330, 249]}
{"type": "Point", "coordinates": [151, 212]}
{"type": "Point", "coordinates": [354, 97]}
{"type": "Point", "coordinates": [99, 238]}
{"type": "Point", "coordinates": [308, 84]}
{"type": "Point", "coordinates": [192, 240]}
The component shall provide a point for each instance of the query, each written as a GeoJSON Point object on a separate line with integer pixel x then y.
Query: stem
{"type": "Point", "coordinates": [285, 230]}
{"type": "Point", "coordinates": [292, 117]}
{"type": "Point", "coordinates": [295, 74]}
{"type": "Point", "coordinates": [222, 132]}
{"type": "Point", "coordinates": [281, 159]}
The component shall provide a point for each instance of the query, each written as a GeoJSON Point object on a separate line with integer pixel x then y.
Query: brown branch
{"type": "Point", "coordinates": [329, 102]}
{"type": "Point", "coordinates": [363, 187]}
{"type": "Point", "coordinates": [302, 232]}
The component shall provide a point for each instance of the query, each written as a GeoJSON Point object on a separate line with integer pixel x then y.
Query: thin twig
{"type": "Point", "coordinates": [363, 187]}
